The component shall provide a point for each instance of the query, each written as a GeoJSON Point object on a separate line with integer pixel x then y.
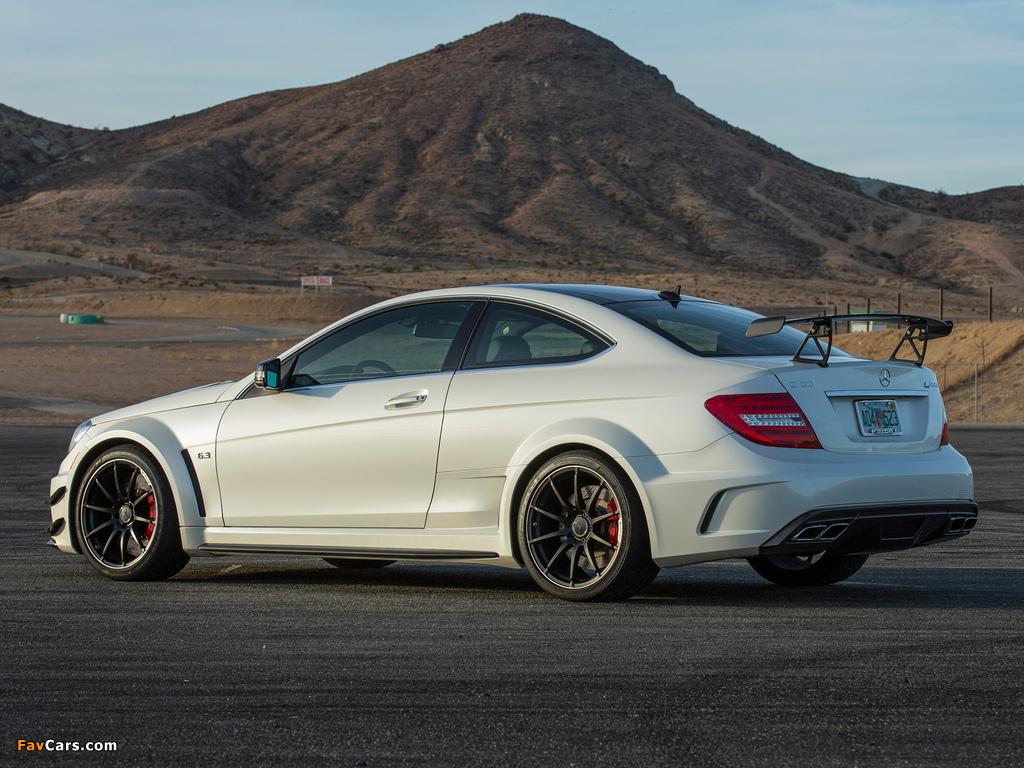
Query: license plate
{"type": "Point", "coordinates": [878, 418]}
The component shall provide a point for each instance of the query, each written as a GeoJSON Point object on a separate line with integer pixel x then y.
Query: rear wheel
{"type": "Point", "coordinates": [582, 531]}
{"type": "Point", "coordinates": [126, 523]}
{"type": "Point", "coordinates": [810, 570]}
{"type": "Point", "coordinates": [354, 564]}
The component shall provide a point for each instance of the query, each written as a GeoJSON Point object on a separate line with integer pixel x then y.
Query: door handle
{"type": "Point", "coordinates": [407, 400]}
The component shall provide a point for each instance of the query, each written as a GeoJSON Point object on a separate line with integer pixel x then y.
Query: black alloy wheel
{"type": "Point", "coordinates": [582, 531]}
{"type": "Point", "coordinates": [126, 522]}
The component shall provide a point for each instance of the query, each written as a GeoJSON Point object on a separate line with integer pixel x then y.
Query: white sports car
{"type": "Point", "coordinates": [592, 434]}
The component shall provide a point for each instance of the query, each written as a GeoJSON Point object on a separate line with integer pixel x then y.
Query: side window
{"type": "Point", "coordinates": [515, 335]}
{"type": "Point", "coordinates": [400, 342]}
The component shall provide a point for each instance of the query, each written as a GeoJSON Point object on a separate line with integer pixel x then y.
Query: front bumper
{"type": "Point", "coordinates": [60, 510]}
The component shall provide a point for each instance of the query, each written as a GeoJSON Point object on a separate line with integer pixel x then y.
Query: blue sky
{"type": "Point", "coordinates": [929, 94]}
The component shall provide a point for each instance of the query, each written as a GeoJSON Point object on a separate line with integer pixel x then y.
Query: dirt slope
{"type": "Point", "coordinates": [997, 349]}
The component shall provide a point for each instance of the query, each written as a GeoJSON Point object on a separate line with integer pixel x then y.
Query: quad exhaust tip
{"type": "Point", "coordinates": [962, 524]}
{"type": "Point", "coordinates": [830, 531]}
{"type": "Point", "coordinates": [821, 532]}
{"type": "Point", "coordinates": [868, 530]}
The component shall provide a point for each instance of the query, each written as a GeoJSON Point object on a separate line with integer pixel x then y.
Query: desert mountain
{"type": "Point", "coordinates": [29, 144]}
{"type": "Point", "coordinates": [530, 141]}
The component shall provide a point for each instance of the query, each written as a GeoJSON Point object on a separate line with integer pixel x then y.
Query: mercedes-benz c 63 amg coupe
{"type": "Point", "coordinates": [590, 434]}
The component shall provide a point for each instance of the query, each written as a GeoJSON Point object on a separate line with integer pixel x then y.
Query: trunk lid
{"type": "Point", "coordinates": [864, 406]}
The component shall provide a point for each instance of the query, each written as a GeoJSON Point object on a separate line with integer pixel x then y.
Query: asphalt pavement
{"type": "Point", "coordinates": [916, 660]}
{"type": "Point", "coordinates": [9, 257]}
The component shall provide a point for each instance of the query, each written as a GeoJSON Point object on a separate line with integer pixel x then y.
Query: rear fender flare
{"type": "Point", "coordinates": [614, 441]}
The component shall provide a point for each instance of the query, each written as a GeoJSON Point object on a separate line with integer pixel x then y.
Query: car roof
{"type": "Point", "coordinates": [599, 294]}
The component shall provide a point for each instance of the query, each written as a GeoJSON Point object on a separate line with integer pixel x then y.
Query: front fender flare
{"type": "Point", "coordinates": [160, 442]}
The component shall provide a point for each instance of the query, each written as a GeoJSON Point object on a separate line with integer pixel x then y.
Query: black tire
{"type": "Point", "coordinates": [126, 523]}
{"type": "Point", "coordinates": [582, 531]}
{"type": "Point", "coordinates": [814, 570]}
{"type": "Point", "coordinates": [354, 564]}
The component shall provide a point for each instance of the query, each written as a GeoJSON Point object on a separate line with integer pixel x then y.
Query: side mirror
{"type": "Point", "coordinates": [268, 375]}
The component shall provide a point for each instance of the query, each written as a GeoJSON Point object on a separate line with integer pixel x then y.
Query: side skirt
{"type": "Point", "coordinates": [356, 554]}
{"type": "Point", "coordinates": [462, 545]}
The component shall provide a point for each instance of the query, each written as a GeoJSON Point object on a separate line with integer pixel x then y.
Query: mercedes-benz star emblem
{"type": "Point", "coordinates": [883, 377]}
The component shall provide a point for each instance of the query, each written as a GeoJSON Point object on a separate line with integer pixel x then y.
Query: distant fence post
{"type": "Point", "coordinates": [899, 303]}
{"type": "Point", "coordinates": [942, 299]}
{"type": "Point", "coordinates": [990, 303]}
{"type": "Point", "coordinates": [975, 393]}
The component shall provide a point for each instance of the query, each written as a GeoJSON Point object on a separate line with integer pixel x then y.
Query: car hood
{"type": "Point", "coordinates": [208, 393]}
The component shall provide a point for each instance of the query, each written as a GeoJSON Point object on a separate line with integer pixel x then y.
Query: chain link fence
{"type": "Point", "coordinates": [982, 394]}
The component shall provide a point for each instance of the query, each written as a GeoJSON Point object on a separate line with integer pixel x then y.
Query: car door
{"type": "Point", "coordinates": [352, 440]}
{"type": "Point", "coordinates": [524, 369]}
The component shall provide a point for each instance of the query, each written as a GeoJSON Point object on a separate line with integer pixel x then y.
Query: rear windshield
{"type": "Point", "coordinates": [710, 330]}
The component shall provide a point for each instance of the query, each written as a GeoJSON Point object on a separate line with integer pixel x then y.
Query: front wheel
{"type": "Point", "coordinates": [582, 532]}
{"type": "Point", "coordinates": [811, 570]}
{"type": "Point", "coordinates": [126, 523]}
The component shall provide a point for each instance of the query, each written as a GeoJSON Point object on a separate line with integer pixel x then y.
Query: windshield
{"type": "Point", "coordinates": [711, 330]}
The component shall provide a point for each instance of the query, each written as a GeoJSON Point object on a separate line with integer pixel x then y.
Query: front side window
{"type": "Point", "coordinates": [399, 342]}
{"type": "Point", "coordinates": [509, 334]}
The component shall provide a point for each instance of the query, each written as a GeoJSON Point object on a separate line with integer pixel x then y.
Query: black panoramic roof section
{"type": "Point", "coordinates": [603, 294]}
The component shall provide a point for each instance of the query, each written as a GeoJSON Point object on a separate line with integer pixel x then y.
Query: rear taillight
{"type": "Point", "coordinates": [944, 440]}
{"type": "Point", "coordinates": [766, 419]}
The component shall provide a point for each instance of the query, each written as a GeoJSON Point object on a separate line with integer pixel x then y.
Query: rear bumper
{"type": "Point", "coordinates": [735, 499]}
{"type": "Point", "coordinates": [869, 530]}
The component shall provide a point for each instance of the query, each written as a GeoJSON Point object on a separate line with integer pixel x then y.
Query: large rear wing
{"type": "Point", "coordinates": [919, 331]}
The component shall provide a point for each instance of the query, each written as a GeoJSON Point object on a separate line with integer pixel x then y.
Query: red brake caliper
{"type": "Point", "coordinates": [613, 523]}
{"type": "Point", "coordinates": [152, 516]}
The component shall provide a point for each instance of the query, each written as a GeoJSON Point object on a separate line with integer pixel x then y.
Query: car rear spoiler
{"type": "Point", "coordinates": [919, 331]}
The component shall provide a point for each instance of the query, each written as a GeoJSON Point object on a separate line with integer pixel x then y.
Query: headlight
{"type": "Point", "coordinates": [79, 434]}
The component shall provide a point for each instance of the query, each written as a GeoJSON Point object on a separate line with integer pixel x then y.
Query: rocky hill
{"type": "Point", "coordinates": [29, 144]}
{"type": "Point", "coordinates": [530, 141]}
